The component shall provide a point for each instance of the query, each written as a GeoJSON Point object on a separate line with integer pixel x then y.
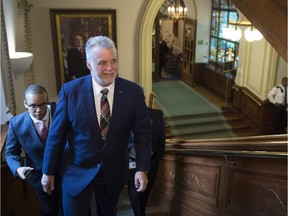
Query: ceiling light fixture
{"type": "Point", "coordinates": [233, 32]}
{"type": "Point", "coordinates": [177, 11]}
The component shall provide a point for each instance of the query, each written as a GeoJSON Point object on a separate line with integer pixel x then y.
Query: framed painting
{"type": "Point", "coordinates": [70, 31]}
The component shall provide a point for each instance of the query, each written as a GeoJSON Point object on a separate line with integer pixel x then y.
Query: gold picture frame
{"type": "Point", "coordinates": [68, 22]}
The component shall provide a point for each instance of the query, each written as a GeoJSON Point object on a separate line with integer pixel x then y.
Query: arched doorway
{"type": "Point", "coordinates": [145, 40]}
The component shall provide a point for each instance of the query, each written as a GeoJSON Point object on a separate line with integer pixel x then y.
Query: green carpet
{"type": "Point", "coordinates": [175, 98]}
{"type": "Point", "coordinates": [188, 114]}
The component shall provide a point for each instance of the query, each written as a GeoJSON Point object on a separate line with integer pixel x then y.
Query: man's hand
{"type": "Point", "coordinates": [21, 172]}
{"type": "Point", "coordinates": [141, 181]}
{"type": "Point", "coordinates": [47, 182]}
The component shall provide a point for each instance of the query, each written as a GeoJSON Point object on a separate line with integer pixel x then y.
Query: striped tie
{"type": "Point", "coordinates": [105, 114]}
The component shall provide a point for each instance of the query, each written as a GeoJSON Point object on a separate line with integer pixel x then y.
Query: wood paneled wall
{"type": "Point", "coordinates": [17, 198]}
{"type": "Point", "coordinates": [196, 181]}
{"type": "Point", "coordinates": [258, 112]}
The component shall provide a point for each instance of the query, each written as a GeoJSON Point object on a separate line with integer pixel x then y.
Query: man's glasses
{"type": "Point", "coordinates": [35, 106]}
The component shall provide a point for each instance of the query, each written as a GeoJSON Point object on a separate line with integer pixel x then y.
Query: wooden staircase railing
{"type": "Point", "coordinates": [235, 176]}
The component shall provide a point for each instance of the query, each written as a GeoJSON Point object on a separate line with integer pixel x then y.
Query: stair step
{"type": "Point", "coordinates": [200, 129]}
{"type": "Point", "coordinates": [195, 122]}
{"type": "Point", "coordinates": [201, 115]}
{"type": "Point", "coordinates": [208, 125]}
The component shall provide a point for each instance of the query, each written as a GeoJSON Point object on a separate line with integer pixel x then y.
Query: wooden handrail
{"type": "Point", "coordinates": [151, 100]}
{"type": "Point", "coordinates": [250, 96]}
{"type": "Point", "coordinates": [254, 143]}
{"type": "Point", "coordinates": [239, 153]}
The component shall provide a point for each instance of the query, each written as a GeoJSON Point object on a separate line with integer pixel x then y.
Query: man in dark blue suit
{"type": "Point", "coordinates": [24, 133]}
{"type": "Point", "coordinates": [95, 161]}
{"type": "Point", "coordinates": [139, 200]}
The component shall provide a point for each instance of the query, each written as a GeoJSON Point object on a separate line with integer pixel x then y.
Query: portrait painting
{"type": "Point", "coordinates": [70, 31]}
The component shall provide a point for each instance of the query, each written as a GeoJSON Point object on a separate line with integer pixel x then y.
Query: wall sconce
{"type": "Point", "coordinates": [20, 62]}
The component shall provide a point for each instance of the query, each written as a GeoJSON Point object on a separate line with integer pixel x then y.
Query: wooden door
{"type": "Point", "coordinates": [189, 51]}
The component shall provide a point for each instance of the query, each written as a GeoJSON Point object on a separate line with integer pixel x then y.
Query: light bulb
{"type": "Point", "coordinates": [258, 36]}
{"type": "Point", "coordinates": [236, 34]}
{"type": "Point", "coordinates": [227, 32]}
{"type": "Point", "coordinates": [249, 34]}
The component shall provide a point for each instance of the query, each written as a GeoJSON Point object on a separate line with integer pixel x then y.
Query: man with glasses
{"type": "Point", "coordinates": [28, 132]}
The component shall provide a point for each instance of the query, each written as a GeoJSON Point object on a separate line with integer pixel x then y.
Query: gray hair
{"type": "Point", "coordinates": [35, 89]}
{"type": "Point", "coordinates": [99, 41]}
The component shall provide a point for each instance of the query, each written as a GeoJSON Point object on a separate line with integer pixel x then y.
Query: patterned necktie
{"type": "Point", "coordinates": [43, 131]}
{"type": "Point", "coordinates": [105, 114]}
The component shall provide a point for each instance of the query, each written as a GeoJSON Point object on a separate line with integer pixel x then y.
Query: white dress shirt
{"type": "Point", "coordinates": [277, 94]}
{"type": "Point", "coordinates": [97, 96]}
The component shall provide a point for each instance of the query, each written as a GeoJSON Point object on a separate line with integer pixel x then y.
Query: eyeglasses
{"type": "Point", "coordinates": [105, 63]}
{"type": "Point", "coordinates": [35, 106]}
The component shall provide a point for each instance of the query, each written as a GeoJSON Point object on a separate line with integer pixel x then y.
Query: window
{"type": "Point", "coordinates": [221, 49]}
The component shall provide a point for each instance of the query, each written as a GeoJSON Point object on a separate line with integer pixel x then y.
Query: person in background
{"type": "Point", "coordinates": [28, 131]}
{"type": "Point", "coordinates": [76, 59]}
{"type": "Point", "coordinates": [96, 114]}
{"type": "Point", "coordinates": [163, 52]}
{"type": "Point", "coordinates": [278, 97]}
{"type": "Point", "coordinates": [139, 200]}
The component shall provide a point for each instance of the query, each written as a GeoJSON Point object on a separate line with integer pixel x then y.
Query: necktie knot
{"type": "Point", "coordinates": [104, 91]}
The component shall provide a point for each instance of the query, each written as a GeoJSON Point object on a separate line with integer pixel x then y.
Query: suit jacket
{"type": "Point", "coordinates": [22, 134]}
{"type": "Point", "coordinates": [158, 135]}
{"type": "Point", "coordinates": [76, 63]}
{"type": "Point", "coordinates": [85, 151]}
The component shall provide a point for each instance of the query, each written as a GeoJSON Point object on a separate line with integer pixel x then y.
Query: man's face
{"type": "Point", "coordinates": [78, 40]}
{"type": "Point", "coordinates": [103, 66]}
{"type": "Point", "coordinates": [36, 104]}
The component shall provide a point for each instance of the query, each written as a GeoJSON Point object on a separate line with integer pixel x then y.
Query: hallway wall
{"type": "Point", "coordinates": [127, 22]}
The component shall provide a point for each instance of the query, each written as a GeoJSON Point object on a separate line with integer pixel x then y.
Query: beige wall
{"type": "Point", "coordinates": [127, 38]}
{"type": "Point", "coordinates": [127, 30]}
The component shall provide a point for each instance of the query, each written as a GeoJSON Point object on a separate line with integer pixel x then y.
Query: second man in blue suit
{"type": "Point", "coordinates": [94, 162]}
{"type": "Point", "coordinates": [25, 135]}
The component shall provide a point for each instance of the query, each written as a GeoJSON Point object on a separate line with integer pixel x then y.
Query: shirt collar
{"type": "Point", "coordinates": [98, 88]}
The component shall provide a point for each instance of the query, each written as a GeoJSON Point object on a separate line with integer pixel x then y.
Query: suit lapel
{"type": "Point", "coordinates": [118, 94]}
{"type": "Point", "coordinates": [88, 99]}
{"type": "Point", "coordinates": [28, 122]}
{"type": "Point", "coordinates": [89, 103]}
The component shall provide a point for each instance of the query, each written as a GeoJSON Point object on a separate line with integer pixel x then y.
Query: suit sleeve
{"type": "Point", "coordinates": [57, 136]}
{"type": "Point", "coordinates": [142, 133]}
{"type": "Point", "coordinates": [13, 150]}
